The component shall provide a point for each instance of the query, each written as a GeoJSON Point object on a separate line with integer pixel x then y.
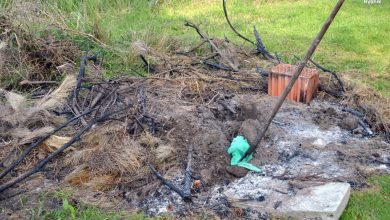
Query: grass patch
{"type": "Point", "coordinates": [68, 210]}
{"type": "Point", "coordinates": [372, 203]}
{"type": "Point", "coordinates": [357, 42]}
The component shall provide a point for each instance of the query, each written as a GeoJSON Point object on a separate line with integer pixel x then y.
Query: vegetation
{"type": "Point", "coordinates": [66, 210]}
{"type": "Point", "coordinates": [357, 43]}
{"type": "Point", "coordinates": [372, 203]}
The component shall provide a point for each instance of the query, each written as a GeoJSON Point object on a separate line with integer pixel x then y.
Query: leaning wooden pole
{"type": "Point", "coordinates": [298, 71]}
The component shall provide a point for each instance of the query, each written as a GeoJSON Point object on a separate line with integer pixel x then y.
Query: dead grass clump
{"type": "Point", "coordinates": [25, 57]}
{"type": "Point", "coordinates": [164, 152]}
{"type": "Point", "coordinates": [109, 150]}
{"type": "Point", "coordinates": [23, 120]}
{"type": "Point", "coordinates": [375, 106]}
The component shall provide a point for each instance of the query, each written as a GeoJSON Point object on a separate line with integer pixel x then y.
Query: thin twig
{"type": "Point", "coordinates": [169, 184]}
{"type": "Point", "coordinates": [213, 46]}
{"type": "Point", "coordinates": [331, 72]}
{"type": "Point", "coordinates": [231, 26]}
{"type": "Point", "coordinates": [261, 48]}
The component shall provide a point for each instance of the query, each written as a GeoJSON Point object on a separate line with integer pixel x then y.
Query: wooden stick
{"type": "Point", "coordinates": [298, 71]}
{"type": "Point", "coordinates": [169, 184]}
{"type": "Point", "coordinates": [187, 175]}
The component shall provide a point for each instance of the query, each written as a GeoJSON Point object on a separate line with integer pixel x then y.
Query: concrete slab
{"type": "Point", "coordinates": [325, 201]}
{"type": "Point", "coordinates": [310, 200]}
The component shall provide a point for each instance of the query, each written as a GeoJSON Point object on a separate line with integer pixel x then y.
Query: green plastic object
{"type": "Point", "coordinates": [237, 149]}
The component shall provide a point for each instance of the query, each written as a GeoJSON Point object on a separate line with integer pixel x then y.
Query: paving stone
{"type": "Point", "coordinates": [307, 200]}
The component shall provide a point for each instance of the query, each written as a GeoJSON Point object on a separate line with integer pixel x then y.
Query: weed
{"type": "Point", "coordinates": [371, 203]}
{"type": "Point", "coordinates": [69, 210]}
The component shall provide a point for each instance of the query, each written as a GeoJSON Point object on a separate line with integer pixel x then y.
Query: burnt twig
{"type": "Point", "coordinates": [216, 65]}
{"type": "Point", "coordinates": [231, 26]}
{"type": "Point", "coordinates": [331, 72]}
{"type": "Point", "coordinates": [187, 175]}
{"type": "Point", "coordinates": [366, 128]}
{"type": "Point", "coordinates": [148, 67]}
{"type": "Point", "coordinates": [186, 192]}
{"type": "Point", "coordinates": [204, 36]}
{"type": "Point", "coordinates": [226, 106]}
{"type": "Point", "coordinates": [353, 112]}
{"type": "Point", "coordinates": [169, 184]}
{"type": "Point", "coordinates": [330, 92]}
{"type": "Point", "coordinates": [261, 48]}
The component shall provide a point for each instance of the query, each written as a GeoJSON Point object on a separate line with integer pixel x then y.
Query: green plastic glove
{"type": "Point", "coordinates": [237, 149]}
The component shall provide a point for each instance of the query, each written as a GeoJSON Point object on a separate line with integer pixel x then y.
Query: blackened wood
{"type": "Point", "coordinates": [231, 26]}
{"type": "Point", "coordinates": [331, 72]}
{"type": "Point", "coordinates": [188, 174]}
{"type": "Point", "coordinates": [169, 184]}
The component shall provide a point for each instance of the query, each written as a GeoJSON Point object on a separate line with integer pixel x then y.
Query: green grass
{"type": "Point", "coordinates": [372, 203]}
{"type": "Point", "coordinates": [68, 211]}
{"type": "Point", "coordinates": [357, 42]}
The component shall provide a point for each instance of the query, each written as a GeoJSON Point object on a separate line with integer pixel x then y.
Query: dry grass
{"type": "Point", "coordinates": [26, 57]}
{"type": "Point", "coordinates": [374, 105]}
{"type": "Point", "coordinates": [108, 154]}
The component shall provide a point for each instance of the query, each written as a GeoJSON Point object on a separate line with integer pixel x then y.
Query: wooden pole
{"type": "Point", "coordinates": [298, 71]}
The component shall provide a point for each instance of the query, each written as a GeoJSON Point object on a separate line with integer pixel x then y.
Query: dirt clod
{"type": "Point", "coordinates": [349, 123]}
{"type": "Point", "coordinates": [249, 130]}
{"type": "Point", "coordinates": [236, 171]}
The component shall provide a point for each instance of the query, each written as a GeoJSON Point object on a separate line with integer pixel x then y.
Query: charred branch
{"type": "Point", "coordinates": [330, 72]}
{"type": "Point", "coordinates": [214, 47]}
{"type": "Point", "coordinates": [217, 66]}
{"type": "Point", "coordinates": [231, 26]}
{"type": "Point", "coordinates": [170, 185]}
{"type": "Point", "coordinates": [261, 48]}
{"type": "Point", "coordinates": [329, 91]}
{"type": "Point", "coordinates": [188, 174]}
{"type": "Point", "coordinates": [147, 66]}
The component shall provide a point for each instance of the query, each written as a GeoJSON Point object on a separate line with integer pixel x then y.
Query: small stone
{"type": "Point", "coordinates": [249, 130]}
{"type": "Point", "coordinates": [237, 171]}
{"type": "Point", "coordinates": [349, 123]}
{"type": "Point", "coordinates": [197, 184]}
{"type": "Point", "coordinates": [207, 175]}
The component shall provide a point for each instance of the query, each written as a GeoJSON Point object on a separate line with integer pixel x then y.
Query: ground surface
{"type": "Point", "coordinates": [192, 103]}
{"type": "Point", "coordinates": [305, 144]}
{"type": "Point", "coordinates": [356, 45]}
